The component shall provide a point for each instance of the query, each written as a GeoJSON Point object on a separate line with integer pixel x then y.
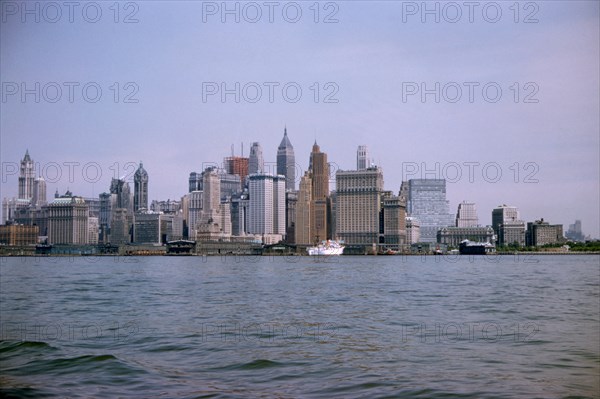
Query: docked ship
{"type": "Point", "coordinates": [326, 248]}
{"type": "Point", "coordinates": [467, 247]}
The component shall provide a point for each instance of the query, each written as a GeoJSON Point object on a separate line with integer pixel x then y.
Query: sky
{"type": "Point", "coordinates": [502, 99]}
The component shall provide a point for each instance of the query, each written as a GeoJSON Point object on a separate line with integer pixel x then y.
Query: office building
{"type": "Point", "coordinates": [394, 222]}
{"type": "Point", "coordinates": [302, 232]}
{"type": "Point", "coordinates": [427, 202]}
{"type": "Point", "coordinates": [266, 214]}
{"type": "Point", "coordinates": [541, 233]}
{"type": "Point", "coordinates": [237, 166]}
{"type": "Point", "coordinates": [413, 230]}
{"type": "Point", "coordinates": [256, 162]}
{"type": "Point", "coordinates": [320, 207]}
{"type": "Point", "coordinates": [140, 188]}
{"type": "Point", "coordinates": [453, 236]}
{"type": "Point", "coordinates": [466, 215]}
{"type": "Point", "coordinates": [291, 199]}
{"type": "Point", "coordinates": [507, 225]}
{"type": "Point", "coordinates": [93, 230]}
{"type": "Point", "coordinates": [358, 205]}
{"type": "Point", "coordinates": [18, 234]}
{"type": "Point", "coordinates": [39, 198]}
{"type": "Point", "coordinates": [286, 162]}
{"type": "Point", "coordinates": [120, 227]}
{"type": "Point", "coordinates": [68, 218]}
{"type": "Point", "coordinates": [26, 177]}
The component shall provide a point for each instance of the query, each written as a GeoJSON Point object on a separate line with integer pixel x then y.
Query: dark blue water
{"type": "Point", "coordinates": [239, 327]}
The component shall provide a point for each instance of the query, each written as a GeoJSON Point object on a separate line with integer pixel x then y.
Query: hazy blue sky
{"type": "Point", "coordinates": [374, 51]}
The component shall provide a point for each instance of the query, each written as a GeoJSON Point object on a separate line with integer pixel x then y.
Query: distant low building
{"type": "Point", "coordinates": [541, 233]}
{"type": "Point", "coordinates": [453, 236]}
{"type": "Point", "coordinates": [574, 233]}
{"type": "Point", "coordinates": [18, 234]}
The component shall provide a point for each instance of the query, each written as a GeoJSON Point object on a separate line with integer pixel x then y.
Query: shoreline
{"type": "Point", "coordinates": [518, 253]}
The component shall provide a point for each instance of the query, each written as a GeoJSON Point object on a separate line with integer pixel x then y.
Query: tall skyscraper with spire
{"type": "Point", "coordinates": [26, 177]}
{"type": "Point", "coordinates": [286, 162]}
{"type": "Point", "coordinates": [140, 189]}
{"type": "Point", "coordinates": [256, 162]}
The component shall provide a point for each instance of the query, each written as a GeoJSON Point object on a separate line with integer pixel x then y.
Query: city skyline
{"type": "Point", "coordinates": [365, 61]}
{"type": "Point", "coordinates": [28, 169]}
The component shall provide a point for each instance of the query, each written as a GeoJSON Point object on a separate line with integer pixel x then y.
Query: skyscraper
{"type": "Point", "coordinates": [427, 202]}
{"type": "Point", "coordinates": [319, 172]}
{"type": "Point", "coordinates": [362, 157]}
{"type": "Point", "coordinates": [358, 205]}
{"type": "Point", "coordinates": [466, 215]}
{"type": "Point", "coordinates": [26, 177]}
{"type": "Point", "coordinates": [140, 188]}
{"type": "Point", "coordinates": [286, 162]}
{"type": "Point", "coordinates": [303, 211]}
{"type": "Point", "coordinates": [266, 214]}
{"type": "Point", "coordinates": [256, 162]}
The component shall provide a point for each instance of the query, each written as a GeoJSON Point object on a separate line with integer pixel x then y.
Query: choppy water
{"type": "Point", "coordinates": [238, 327]}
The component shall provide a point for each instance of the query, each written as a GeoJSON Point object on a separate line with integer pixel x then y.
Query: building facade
{"type": "Point", "coordinates": [140, 189]}
{"type": "Point", "coordinates": [466, 215]}
{"type": "Point", "coordinates": [453, 236]}
{"type": "Point", "coordinates": [358, 205]}
{"type": "Point", "coordinates": [508, 226]}
{"type": "Point", "coordinates": [68, 218]}
{"type": "Point", "coordinates": [427, 202]}
{"type": "Point", "coordinates": [394, 222]}
{"type": "Point", "coordinates": [39, 198]}
{"type": "Point", "coordinates": [266, 214]}
{"type": "Point", "coordinates": [541, 233]}
{"type": "Point", "coordinates": [303, 235]}
{"type": "Point", "coordinates": [18, 234]}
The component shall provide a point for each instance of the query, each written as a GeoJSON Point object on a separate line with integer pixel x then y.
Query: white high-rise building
{"type": "Point", "coordinates": [362, 157]}
{"type": "Point", "coordinates": [466, 215]}
{"type": "Point", "coordinates": [266, 214]}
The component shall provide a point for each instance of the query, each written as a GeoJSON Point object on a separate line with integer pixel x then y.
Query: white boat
{"type": "Point", "coordinates": [326, 248]}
